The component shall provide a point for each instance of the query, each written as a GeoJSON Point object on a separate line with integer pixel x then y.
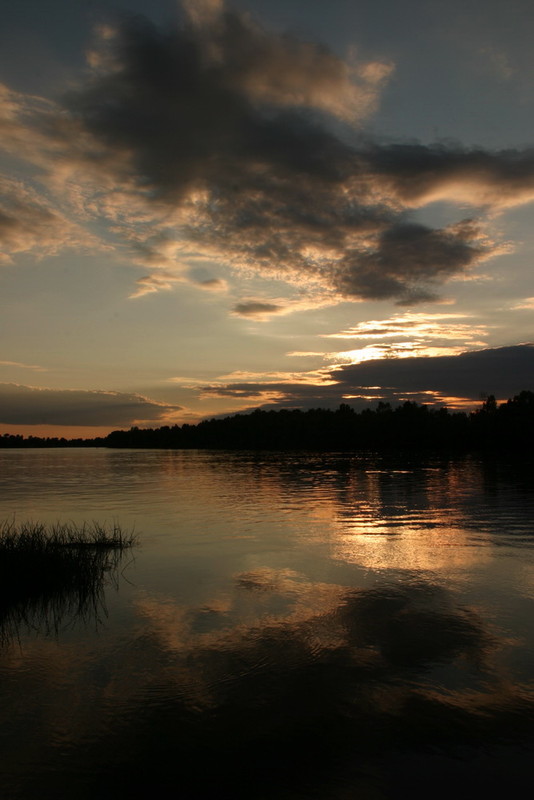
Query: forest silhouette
{"type": "Point", "coordinates": [508, 425]}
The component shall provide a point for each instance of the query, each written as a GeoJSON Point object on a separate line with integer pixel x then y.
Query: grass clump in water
{"type": "Point", "coordinates": [50, 574]}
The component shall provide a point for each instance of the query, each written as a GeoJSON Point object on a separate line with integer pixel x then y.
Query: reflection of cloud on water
{"type": "Point", "coordinates": [261, 598]}
{"type": "Point", "coordinates": [318, 697]}
{"type": "Point", "coordinates": [279, 621]}
{"type": "Point", "coordinates": [281, 687]}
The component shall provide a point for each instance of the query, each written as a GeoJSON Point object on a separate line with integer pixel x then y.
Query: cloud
{"type": "Point", "coordinates": [28, 224]}
{"type": "Point", "coordinates": [455, 379]}
{"type": "Point", "coordinates": [502, 371]}
{"type": "Point", "coordinates": [418, 174]}
{"type": "Point", "coordinates": [526, 304]}
{"type": "Point", "coordinates": [262, 310]}
{"type": "Point", "coordinates": [29, 405]}
{"type": "Point", "coordinates": [166, 279]}
{"type": "Point", "coordinates": [496, 62]}
{"type": "Point", "coordinates": [304, 354]}
{"type": "Point", "coordinates": [20, 365]}
{"type": "Point", "coordinates": [257, 309]}
{"type": "Point", "coordinates": [213, 284]}
{"type": "Point", "coordinates": [407, 258]}
{"type": "Point", "coordinates": [155, 282]}
{"type": "Point", "coordinates": [406, 336]}
{"type": "Point", "coordinates": [279, 69]}
{"type": "Point", "coordinates": [418, 329]}
{"type": "Point", "coordinates": [215, 140]}
{"type": "Point", "coordinates": [187, 106]}
{"type": "Point", "coordinates": [314, 377]}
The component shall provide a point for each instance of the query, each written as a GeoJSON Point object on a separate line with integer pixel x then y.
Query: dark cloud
{"type": "Point", "coordinates": [256, 309]}
{"type": "Point", "coordinates": [26, 405]}
{"type": "Point", "coordinates": [417, 173]}
{"type": "Point", "coordinates": [399, 266]}
{"type": "Point", "coordinates": [227, 121]}
{"type": "Point", "coordinates": [184, 105]}
{"type": "Point", "coordinates": [283, 394]}
{"type": "Point", "coordinates": [216, 284]}
{"type": "Point", "coordinates": [217, 135]}
{"type": "Point", "coordinates": [502, 371]}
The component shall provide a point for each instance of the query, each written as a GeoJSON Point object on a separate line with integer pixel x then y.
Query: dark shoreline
{"type": "Point", "coordinates": [505, 427]}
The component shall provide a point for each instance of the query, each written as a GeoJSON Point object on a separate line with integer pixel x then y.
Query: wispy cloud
{"type": "Point", "coordinates": [155, 282]}
{"type": "Point", "coordinates": [213, 284]}
{"type": "Point", "coordinates": [30, 224]}
{"type": "Point", "coordinates": [20, 365]}
{"type": "Point", "coordinates": [312, 377]}
{"type": "Point", "coordinates": [412, 325]}
{"type": "Point", "coordinates": [524, 305]}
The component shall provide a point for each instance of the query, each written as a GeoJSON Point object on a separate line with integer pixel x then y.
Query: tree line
{"type": "Point", "coordinates": [508, 425]}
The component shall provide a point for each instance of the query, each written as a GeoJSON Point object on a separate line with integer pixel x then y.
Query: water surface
{"type": "Point", "coordinates": [290, 626]}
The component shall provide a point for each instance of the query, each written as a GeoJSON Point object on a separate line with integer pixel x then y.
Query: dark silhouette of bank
{"type": "Point", "coordinates": [508, 426]}
{"type": "Point", "coordinates": [410, 425]}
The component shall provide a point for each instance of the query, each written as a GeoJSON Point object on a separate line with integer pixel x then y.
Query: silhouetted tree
{"type": "Point", "coordinates": [509, 425]}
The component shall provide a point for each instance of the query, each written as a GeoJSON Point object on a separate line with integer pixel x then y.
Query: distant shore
{"type": "Point", "coordinates": [508, 425]}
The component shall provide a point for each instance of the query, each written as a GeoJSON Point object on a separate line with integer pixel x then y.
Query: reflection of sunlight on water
{"type": "Point", "coordinates": [378, 546]}
{"type": "Point", "coordinates": [430, 518]}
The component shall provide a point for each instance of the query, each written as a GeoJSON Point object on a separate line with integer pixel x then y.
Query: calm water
{"type": "Point", "coordinates": [290, 626]}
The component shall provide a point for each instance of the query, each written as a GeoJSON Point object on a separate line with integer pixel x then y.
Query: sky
{"type": "Point", "coordinates": [208, 207]}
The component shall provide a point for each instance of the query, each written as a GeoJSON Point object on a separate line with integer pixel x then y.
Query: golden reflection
{"type": "Point", "coordinates": [360, 513]}
{"type": "Point", "coordinates": [375, 545]}
{"type": "Point", "coordinates": [426, 541]}
{"type": "Point", "coordinates": [386, 522]}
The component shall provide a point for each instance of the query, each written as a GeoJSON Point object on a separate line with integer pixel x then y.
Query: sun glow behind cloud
{"type": "Point", "coordinates": [416, 334]}
{"type": "Point", "coordinates": [393, 350]}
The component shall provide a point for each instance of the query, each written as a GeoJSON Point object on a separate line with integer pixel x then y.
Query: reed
{"type": "Point", "coordinates": [55, 574]}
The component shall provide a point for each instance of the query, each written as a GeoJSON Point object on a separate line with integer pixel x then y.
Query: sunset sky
{"type": "Point", "coordinates": [207, 207]}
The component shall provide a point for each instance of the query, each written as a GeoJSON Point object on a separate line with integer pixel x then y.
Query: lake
{"type": "Point", "coordinates": [290, 625]}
